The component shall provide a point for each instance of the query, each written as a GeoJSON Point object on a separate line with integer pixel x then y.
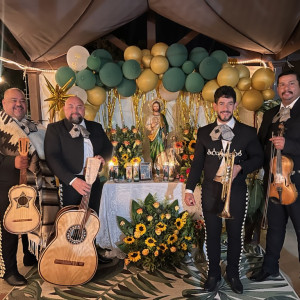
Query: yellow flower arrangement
{"type": "Point", "coordinates": [152, 241]}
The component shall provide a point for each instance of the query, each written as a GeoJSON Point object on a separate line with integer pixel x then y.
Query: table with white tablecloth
{"type": "Point", "coordinates": [116, 201]}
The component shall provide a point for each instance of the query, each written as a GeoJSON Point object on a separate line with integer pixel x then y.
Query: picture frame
{"type": "Point", "coordinates": [145, 171]}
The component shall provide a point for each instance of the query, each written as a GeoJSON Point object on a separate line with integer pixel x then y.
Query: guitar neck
{"type": "Point", "coordinates": [23, 176]}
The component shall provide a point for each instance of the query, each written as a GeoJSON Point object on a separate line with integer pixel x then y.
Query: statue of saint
{"type": "Point", "coordinates": [158, 129]}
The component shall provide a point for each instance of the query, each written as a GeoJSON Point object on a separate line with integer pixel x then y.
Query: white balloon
{"type": "Point", "coordinates": [79, 92]}
{"type": "Point", "coordinates": [77, 58]}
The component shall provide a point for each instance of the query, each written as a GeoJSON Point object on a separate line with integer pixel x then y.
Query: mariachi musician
{"type": "Point", "coordinates": [287, 114]}
{"type": "Point", "coordinates": [212, 142]}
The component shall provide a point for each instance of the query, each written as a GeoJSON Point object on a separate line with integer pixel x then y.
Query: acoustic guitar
{"type": "Point", "coordinates": [71, 258]}
{"type": "Point", "coordinates": [22, 216]}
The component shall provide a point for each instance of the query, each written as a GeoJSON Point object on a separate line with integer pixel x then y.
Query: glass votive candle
{"type": "Point", "coordinates": [136, 172]}
{"type": "Point", "coordinates": [165, 171]}
{"type": "Point", "coordinates": [129, 172]}
{"type": "Point", "coordinates": [171, 172]}
{"type": "Point", "coordinates": [111, 170]}
{"type": "Point", "coordinates": [116, 173]}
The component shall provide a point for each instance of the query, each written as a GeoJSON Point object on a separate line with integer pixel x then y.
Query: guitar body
{"type": "Point", "coordinates": [71, 257]}
{"type": "Point", "coordinates": [21, 216]}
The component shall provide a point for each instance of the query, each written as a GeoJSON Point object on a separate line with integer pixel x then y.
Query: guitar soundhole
{"type": "Point", "coordinates": [23, 200]}
{"type": "Point", "coordinates": [75, 235]}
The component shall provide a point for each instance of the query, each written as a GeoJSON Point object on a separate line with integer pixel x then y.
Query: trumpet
{"type": "Point", "coordinates": [227, 182]}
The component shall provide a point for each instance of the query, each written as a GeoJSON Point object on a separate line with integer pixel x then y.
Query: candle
{"type": "Point", "coordinates": [111, 170]}
{"type": "Point", "coordinates": [166, 171]}
{"type": "Point", "coordinates": [129, 172]}
{"type": "Point", "coordinates": [171, 172]}
{"type": "Point", "coordinates": [136, 172]}
{"type": "Point", "coordinates": [116, 173]}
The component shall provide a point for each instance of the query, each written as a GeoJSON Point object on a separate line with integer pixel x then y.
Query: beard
{"type": "Point", "coordinates": [225, 118]}
{"type": "Point", "coordinates": [75, 118]}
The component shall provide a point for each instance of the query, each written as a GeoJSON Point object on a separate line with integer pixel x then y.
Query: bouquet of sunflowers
{"type": "Point", "coordinates": [158, 235]}
{"type": "Point", "coordinates": [127, 145]}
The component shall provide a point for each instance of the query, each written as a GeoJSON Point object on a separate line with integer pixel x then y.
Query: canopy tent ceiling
{"type": "Point", "coordinates": [45, 30]}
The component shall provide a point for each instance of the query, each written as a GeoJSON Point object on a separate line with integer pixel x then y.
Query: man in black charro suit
{"type": "Point", "coordinates": [287, 113]}
{"type": "Point", "coordinates": [212, 142]}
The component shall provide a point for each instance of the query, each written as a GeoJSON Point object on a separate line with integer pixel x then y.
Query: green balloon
{"type": "Point", "coordinates": [98, 81]}
{"type": "Point", "coordinates": [188, 67]}
{"type": "Point", "coordinates": [126, 88]}
{"type": "Point", "coordinates": [197, 55]}
{"type": "Point", "coordinates": [194, 83]}
{"type": "Point", "coordinates": [111, 74]}
{"type": "Point", "coordinates": [104, 56]}
{"type": "Point", "coordinates": [173, 79]}
{"type": "Point", "coordinates": [177, 54]}
{"type": "Point", "coordinates": [120, 63]}
{"type": "Point", "coordinates": [220, 56]}
{"type": "Point", "coordinates": [209, 68]}
{"type": "Point", "coordinates": [85, 79]}
{"type": "Point", "coordinates": [131, 69]}
{"type": "Point", "coordinates": [94, 63]}
{"type": "Point", "coordinates": [63, 75]}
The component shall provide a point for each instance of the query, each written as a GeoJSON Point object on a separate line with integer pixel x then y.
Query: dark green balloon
{"type": "Point", "coordinates": [85, 79]}
{"type": "Point", "coordinates": [98, 81]}
{"type": "Point", "coordinates": [220, 56]}
{"type": "Point", "coordinates": [197, 55]}
{"type": "Point", "coordinates": [188, 67]}
{"type": "Point", "coordinates": [126, 88]}
{"type": "Point", "coordinates": [173, 79]}
{"type": "Point", "coordinates": [63, 75]}
{"type": "Point", "coordinates": [94, 63]}
{"type": "Point", "coordinates": [194, 83]}
{"type": "Point", "coordinates": [209, 68]}
{"type": "Point", "coordinates": [104, 56]}
{"type": "Point", "coordinates": [131, 69]}
{"type": "Point", "coordinates": [177, 54]}
{"type": "Point", "coordinates": [111, 74]}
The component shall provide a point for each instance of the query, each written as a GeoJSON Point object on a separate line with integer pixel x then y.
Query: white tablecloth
{"type": "Point", "coordinates": [116, 201]}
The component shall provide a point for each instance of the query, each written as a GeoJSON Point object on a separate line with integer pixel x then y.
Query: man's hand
{"type": "Point", "coordinates": [81, 187]}
{"type": "Point", "coordinates": [236, 170]}
{"type": "Point", "coordinates": [21, 162]}
{"type": "Point", "coordinates": [189, 199]}
{"type": "Point", "coordinates": [278, 142]}
{"type": "Point", "coordinates": [101, 158]}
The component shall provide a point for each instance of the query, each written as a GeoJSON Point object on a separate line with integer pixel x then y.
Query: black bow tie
{"type": "Point", "coordinates": [223, 131]}
{"type": "Point", "coordinates": [77, 129]}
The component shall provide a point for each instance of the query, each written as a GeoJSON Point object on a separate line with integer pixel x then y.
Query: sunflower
{"type": "Point", "coordinates": [115, 160]}
{"type": "Point", "coordinates": [150, 242]}
{"type": "Point", "coordinates": [184, 246]}
{"type": "Point", "coordinates": [188, 238]}
{"type": "Point", "coordinates": [192, 145]}
{"type": "Point", "coordinates": [179, 223]}
{"type": "Point", "coordinates": [140, 228]}
{"type": "Point", "coordinates": [135, 160]}
{"type": "Point", "coordinates": [134, 256]}
{"type": "Point", "coordinates": [161, 226]}
{"type": "Point", "coordinates": [125, 156]}
{"type": "Point", "coordinates": [162, 247]}
{"type": "Point", "coordinates": [129, 239]}
{"type": "Point", "coordinates": [172, 239]}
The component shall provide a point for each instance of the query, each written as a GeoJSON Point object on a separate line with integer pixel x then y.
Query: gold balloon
{"type": "Point", "coordinates": [159, 64]}
{"type": "Point", "coordinates": [146, 60]}
{"type": "Point", "coordinates": [96, 95]}
{"type": "Point", "coordinates": [268, 94]}
{"type": "Point", "coordinates": [61, 114]}
{"type": "Point", "coordinates": [165, 94]}
{"type": "Point", "coordinates": [159, 49]}
{"type": "Point", "coordinates": [209, 89]}
{"type": "Point", "coordinates": [244, 84]}
{"type": "Point", "coordinates": [263, 79]}
{"type": "Point", "coordinates": [243, 71]}
{"type": "Point", "coordinates": [238, 95]}
{"type": "Point", "coordinates": [147, 81]}
{"type": "Point", "coordinates": [90, 112]}
{"type": "Point", "coordinates": [226, 65]}
{"type": "Point", "coordinates": [146, 52]}
{"type": "Point", "coordinates": [228, 76]}
{"type": "Point", "coordinates": [252, 100]}
{"type": "Point", "coordinates": [133, 52]}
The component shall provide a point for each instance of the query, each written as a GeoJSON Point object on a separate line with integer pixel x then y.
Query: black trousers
{"type": "Point", "coordinates": [234, 228]}
{"type": "Point", "coordinates": [277, 219]}
{"type": "Point", "coordinates": [72, 197]}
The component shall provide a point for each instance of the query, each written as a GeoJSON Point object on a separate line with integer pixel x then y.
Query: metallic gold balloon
{"type": "Point", "coordinates": [244, 84]}
{"type": "Point", "coordinates": [238, 95]}
{"type": "Point", "coordinates": [90, 111]}
{"type": "Point", "coordinates": [228, 76]}
{"type": "Point", "coordinates": [268, 94]}
{"type": "Point", "coordinates": [133, 52]}
{"type": "Point", "coordinates": [159, 64]}
{"type": "Point", "coordinates": [263, 79]}
{"type": "Point", "coordinates": [159, 49]}
{"type": "Point", "coordinates": [226, 65]}
{"type": "Point", "coordinates": [61, 114]}
{"type": "Point", "coordinates": [146, 60]}
{"type": "Point", "coordinates": [147, 81]}
{"type": "Point", "coordinates": [146, 52]}
{"type": "Point", "coordinates": [209, 89]}
{"type": "Point", "coordinates": [243, 71]}
{"type": "Point", "coordinates": [96, 96]}
{"type": "Point", "coordinates": [252, 100]}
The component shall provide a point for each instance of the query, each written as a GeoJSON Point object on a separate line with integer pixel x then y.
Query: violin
{"type": "Point", "coordinates": [281, 189]}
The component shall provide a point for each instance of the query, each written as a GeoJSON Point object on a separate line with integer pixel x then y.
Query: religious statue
{"type": "Point", "coordinates": [158, 129]}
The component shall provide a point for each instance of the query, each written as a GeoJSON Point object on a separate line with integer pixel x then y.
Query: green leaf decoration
{"type": "Point", "coordinates": [66, 295]}
{"type": "Point", "coordinates": [142, 286]}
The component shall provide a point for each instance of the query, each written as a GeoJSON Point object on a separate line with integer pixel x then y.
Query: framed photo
{"type": "Point", "coordinates": [145, 171]}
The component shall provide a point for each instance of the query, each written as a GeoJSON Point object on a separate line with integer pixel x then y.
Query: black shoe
{"type": "Point", "coordinates": [212, 283]}
{"type": "Point", "coordinates": [263, 275]}
{"type": "Point", "coordinates": [15, 279]}
{"type": "Point", "coordinates": [235, 284]}
{"type": "Point", "coordinates": [29, 259]}
{"type": "Point", "coordinates": [104, 260]}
